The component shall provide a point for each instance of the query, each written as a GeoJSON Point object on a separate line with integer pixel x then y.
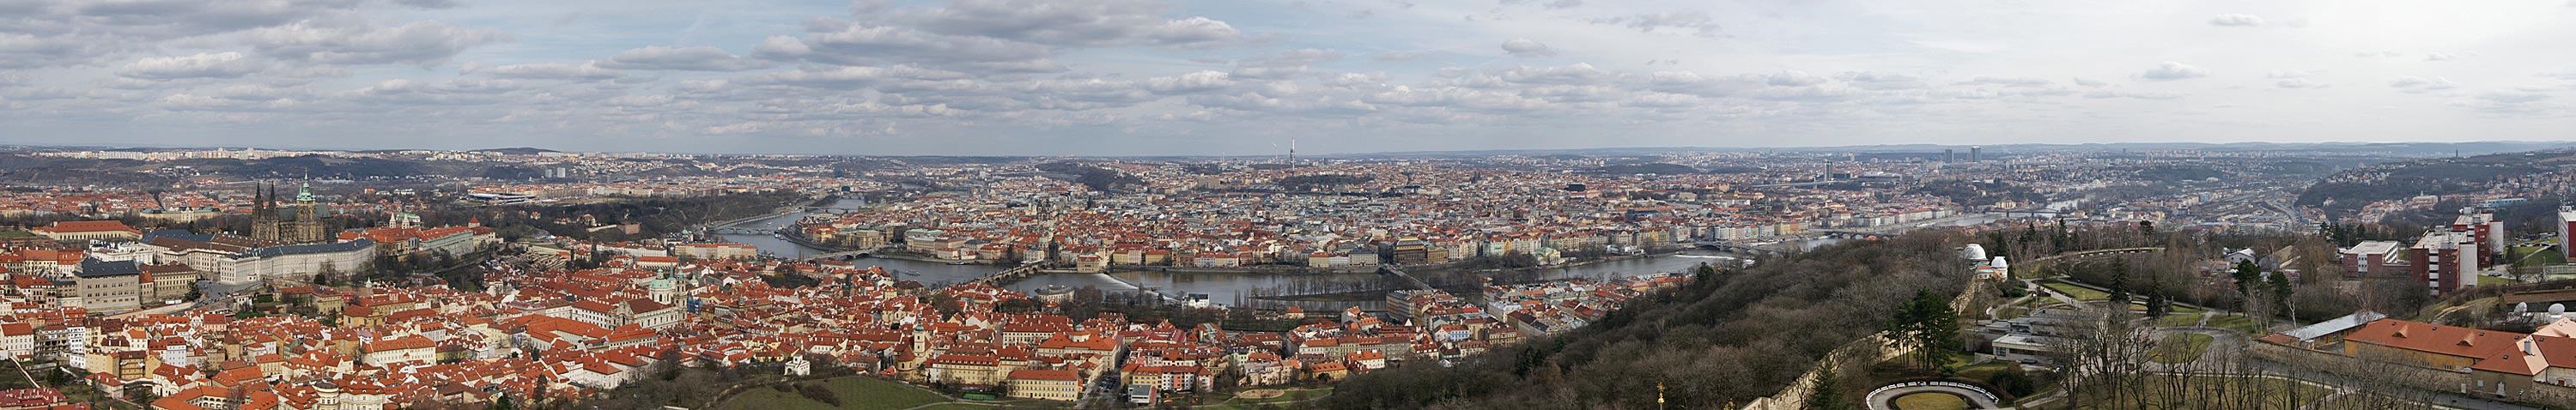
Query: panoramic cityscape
{"type": "Point", "coordinates": [1290, 204]}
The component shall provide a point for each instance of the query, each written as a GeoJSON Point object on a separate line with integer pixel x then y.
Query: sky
{"type": "Point", "coordinates": [1257, 77]}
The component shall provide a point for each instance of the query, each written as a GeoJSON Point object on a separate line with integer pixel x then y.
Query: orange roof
{"type": "Point", "coordinates": [405, 343]}
{"type": "Point", "coordinates": [91, 226]}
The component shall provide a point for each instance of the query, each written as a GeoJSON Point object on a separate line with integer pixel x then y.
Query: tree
{"type": "Point", "coordinates": [2246, 274]}
{"type": "Point", "coordinates": [1927, 324]}
{"type": "Point", "coordinates": [2281, 288]}
{"type": "Point", "coordinates": [2119, 283]}
{"type": "Point", "coordinates": [1826, 392]}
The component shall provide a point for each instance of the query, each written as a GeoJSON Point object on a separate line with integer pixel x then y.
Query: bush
{"type": "Point", "coordinates": [816, 392]}
{"type": "Point", "coordinates": [2013, 381]}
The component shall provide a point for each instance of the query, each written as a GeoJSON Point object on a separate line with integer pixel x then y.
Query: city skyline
{"type": "Point", "coordinates": [996, 77]}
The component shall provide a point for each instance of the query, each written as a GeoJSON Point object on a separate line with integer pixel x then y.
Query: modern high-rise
{"type": "Point", "coordinates": [1974, 152]}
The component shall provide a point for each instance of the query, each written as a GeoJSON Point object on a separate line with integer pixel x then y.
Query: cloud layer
{"type": "Point", "coordinates": [1135, 77]}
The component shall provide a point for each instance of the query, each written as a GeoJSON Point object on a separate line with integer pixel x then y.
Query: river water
{"type": "Point", "coordinates": [1222, 288]}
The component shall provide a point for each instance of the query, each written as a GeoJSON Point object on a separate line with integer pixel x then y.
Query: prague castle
{"type": "Point", "coordinates": [294, 224]}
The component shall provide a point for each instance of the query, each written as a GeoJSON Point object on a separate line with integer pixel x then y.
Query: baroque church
{"type": "Point", "coordinates": [292, 224]}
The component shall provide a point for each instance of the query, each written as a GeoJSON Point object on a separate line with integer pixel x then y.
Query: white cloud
{"type": "Point", "coordinates": [1689, 22]}
{"type": "Point", "coordinates": [2299, 83]}
{"type": "Point", "coordinates": [1146, 73]}
{"type": "Point", "coordinates": [1795, 78]}
{"type": "Point", "coordinates": [2169, 71]}
{"type": "Point", "coordinates": [1197, 82]}
{"type": "Point", "coordinates": [2236, 20]}
{"type": "Point", "coordinates": [427, 42]}
{"type": "Point", "coordinates": [1523, 47]}
{"type": "Point", "coordinates": [546, 71]}
{"type": "Point", "coordinates": [2010, 81]}
{"type": "Point", "coordinates": [2414, 84]}
{"type": "Point", "coordinates": [1092, 23]}
{"type": "Point", "coordinates": [201, 65]}
{"type": "Point", "coordinates": [700, 58]}
{"type": "Point", "coordinates": [429, 4]}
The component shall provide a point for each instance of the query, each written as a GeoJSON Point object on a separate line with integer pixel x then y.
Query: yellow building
{"type": "Point", "coordinates": [1057, 385]}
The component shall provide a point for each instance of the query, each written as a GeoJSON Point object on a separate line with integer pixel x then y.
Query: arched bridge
{"type": "Point", "coordinates": [1854, 235]}
{"type": "Point", "coordinates": [1731, 247]}
{"type": "Point", "coordinates": [829, 210]}
{"type": "Point", "coordinates": [842, 255]}
{"type": "Point", "coordinates": [1006, 277]}
{"type": "Point", "coordinates": [737, 231]}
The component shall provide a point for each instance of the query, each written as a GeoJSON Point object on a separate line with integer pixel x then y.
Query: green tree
{"type": "Point", "coordinates": [2246, 275]}
{"type": "Point", "coordinates": [1827, 391]}
{"type": "Point", "coordinates": [1927, 324]}
{"type": "Point", "coordinates": [2280, 284]}
{"type": "Point", "coordinates": [2119, 282]}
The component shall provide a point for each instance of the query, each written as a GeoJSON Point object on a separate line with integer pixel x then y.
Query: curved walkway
{"type": "Point", "coordinates": [1885, 397]}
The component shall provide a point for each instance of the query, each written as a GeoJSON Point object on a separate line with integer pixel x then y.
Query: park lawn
{"type": "Point", "coordinates": [2185, 309]}
{"type": "Point", "coordinates": [2299, 395]}
{"type": "Point", "coordinates": [2534, 256]}
{"type": "Point", "coordinates": [855, 392]}
{"type": "Point", "coordinates": [2484, 280]}
{"type": "Point", "coordinates": [2010, 312]}
{"type": "Point", "coordinates": [1930, 401]}
{"type": "Point", "coordinates": [2240, 323]}
{"type": "Point", "coordinates": [2178, 320]}
{"type": "Point", "coordinates": [1985, 371]}
{"type": "Point", "coordinates": [961, 406]}
{"type": "Point", "coordinates": [2180, 348]}
{"type": "Point", "coordinates": [16, 234]}
{"type": "Point", "coordinates": [2078, 292]}
{"type": "Point", "coordinates": [1288, 396]}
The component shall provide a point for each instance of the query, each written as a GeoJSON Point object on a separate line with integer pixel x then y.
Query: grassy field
{"type": "Point", "coordinates": [856, 393]}
{"type": "Point", "coordinates": [2010, 312]}
{"type": "Point", "coordinates": [1290, 396]}
{"type": "Point", "coordinates": [2177, 319]}
{"type": "Point", "coordinates": [2240, 323]}
{"type": "Point", "coordinates": [2078, 292]}
{"type": "Point", "coordinates": [2180, 348]}
{"type": "Point", "coordinates": [16, 234]}
{"type": "Point", "coordinates": [1930, 401]}
{"type": "Point", "coordinates": [2484, 280]}
{"type": "Point", "coordinates": [1986, 370]}
{"type": "Point", "coordinates": [2535, 256]}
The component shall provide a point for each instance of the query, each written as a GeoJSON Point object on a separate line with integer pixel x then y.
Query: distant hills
{"type": "Point", "coordinates": [2406, 149]}
{"type": "Point", "coordinates": [2397, 149]}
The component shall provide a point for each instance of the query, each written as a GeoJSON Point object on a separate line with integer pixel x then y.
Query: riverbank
{"type": "Point", "coordinates": [783, 210]}
{"type": "Point", "coordinates": [1577, 264]}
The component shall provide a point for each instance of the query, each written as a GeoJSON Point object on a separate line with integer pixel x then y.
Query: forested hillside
{"type": "Point", "coordinates": [1733, 336]}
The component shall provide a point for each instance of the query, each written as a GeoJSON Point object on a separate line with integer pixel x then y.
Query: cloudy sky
{"type": "Point", "coordinates": [1246, 77]}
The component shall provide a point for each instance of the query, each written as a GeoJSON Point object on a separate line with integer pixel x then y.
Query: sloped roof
{"type": "Point", "coordinates": [94, 268]}
{"type": "Point", "coordinates": [276, 251]}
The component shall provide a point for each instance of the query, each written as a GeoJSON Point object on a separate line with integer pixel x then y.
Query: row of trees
{"type": "Point", "coordinates": [1927, 324]}
{"type": "Point", "coordinates": [2111, 362]}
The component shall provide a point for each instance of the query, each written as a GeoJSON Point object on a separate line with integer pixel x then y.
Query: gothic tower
{"type": "Point", "coordinates": [307, 227]}
{"type": "Point", "coordinates": [263, 213]}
